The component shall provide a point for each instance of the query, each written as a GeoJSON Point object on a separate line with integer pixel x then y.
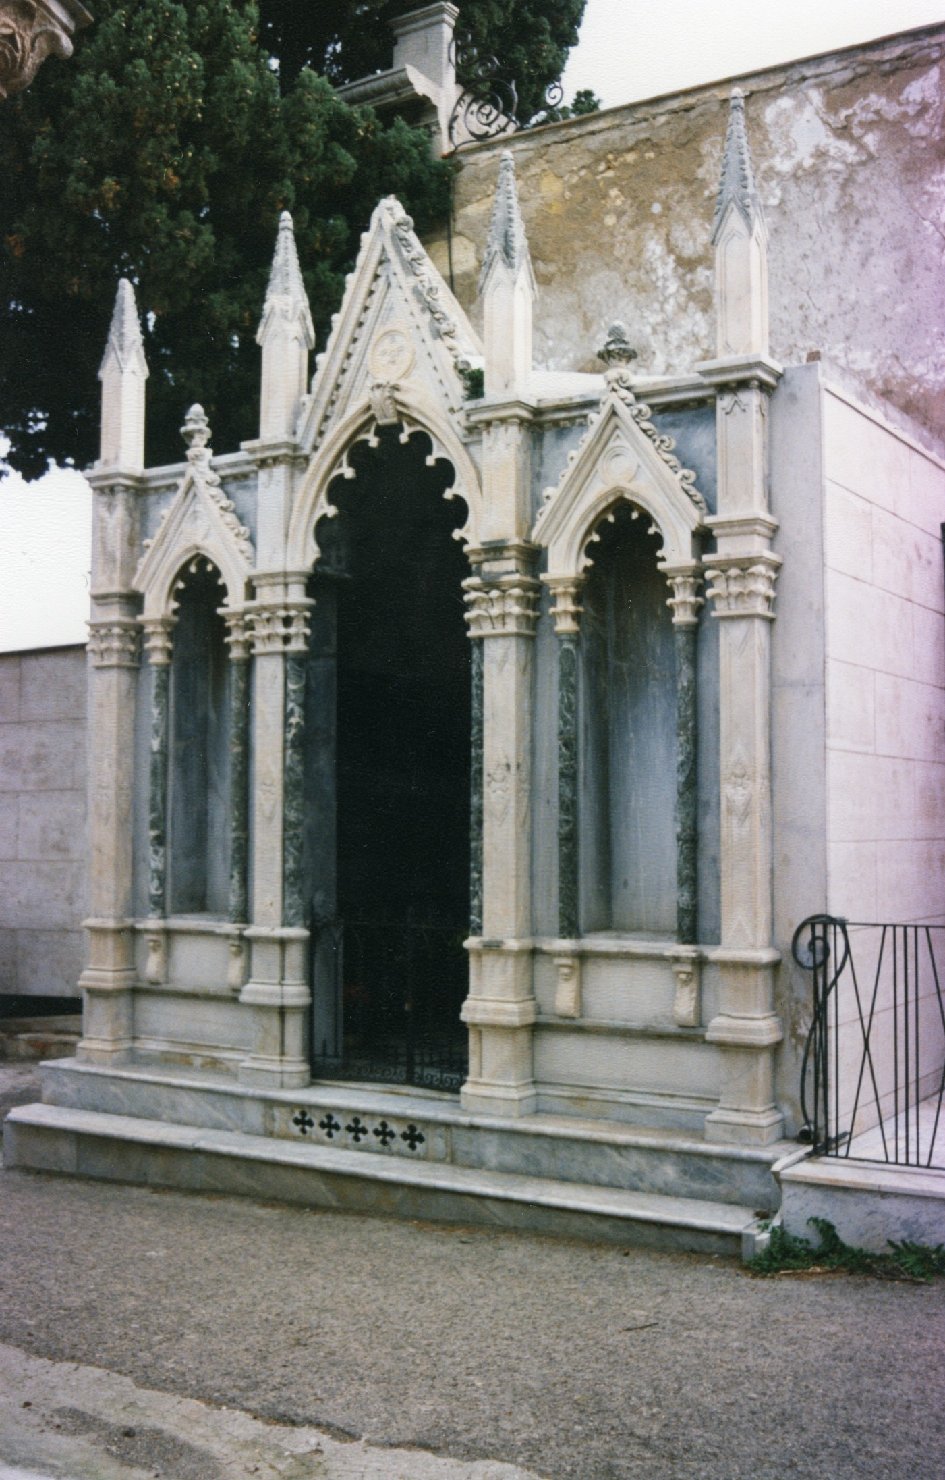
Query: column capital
{"type": "Point", "coordinates": [279, 627]}
{"type": "Point", "coordinates": [502, 607]}
{"type": "Point", "coordinates": [566, 595]}
{"type": "Point", "coordinates": [113, 643]}
{"type": "Point", "coordinates": [31, 31]}
{"type": "Point", "coordinates": [237, 637]}
{"type": "Point", "coordinates": [743, 585]}
{"type": "Point", "coordinates": [158, 639]}
{"type": "Point", "coordinates": [684, 582]}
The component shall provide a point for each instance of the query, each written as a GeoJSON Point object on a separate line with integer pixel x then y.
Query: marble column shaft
{"type": "Point", "coordinates": [293, 804]}
{"type": "Point", "coordinates": [475, 787]}
{"type": "Point", "coordinates": [157, 795]}
{"type": "Point", "coordinates": [568, 842]}
{"type": "Point", "coordinates": [239, 783]}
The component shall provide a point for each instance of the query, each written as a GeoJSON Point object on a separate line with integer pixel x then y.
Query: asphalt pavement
{"type": "Point", "coordinates": [402, 1351]}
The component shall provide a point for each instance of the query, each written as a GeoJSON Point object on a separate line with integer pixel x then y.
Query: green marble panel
{"type": "Point", "coordinates": [239, 789]}
{"type": "Point", "coordinates": [293, 878]}
{"type": "Point", "coordinates": [687, 797]}
{"type": "Point", "coordinates": [568, 787]}
{"type": "Point", "coordinates": [157, 800]}
{"type": "Point", "coordinates": [475, 789]}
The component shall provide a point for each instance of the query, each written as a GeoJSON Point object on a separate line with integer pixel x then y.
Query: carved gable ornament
{"type": "Point", "coordinates": [399, 330]}
{"type": "Point", "coordinates": [398, 354]}
{"type": "Point", "coordinates": [200, 521]}
{"type": "Point", "coordinates": [621, 456]}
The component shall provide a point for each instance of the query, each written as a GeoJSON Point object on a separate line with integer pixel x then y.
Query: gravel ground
{"type": "Point", "coordinates": [573, 1360]}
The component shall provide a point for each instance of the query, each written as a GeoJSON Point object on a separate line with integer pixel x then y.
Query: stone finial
{"type": "Point", "coordinates": [123, 372]}
{"type": "Point", "coordinates": [737, 185]}
{"type": "Point", "coordinates": [196, 432]}
{"type": "Point", "coordinates": [125, 343]}
{"type": "Point", "coordinates": [286, 298]}
{"type": "Point", "coordinates": [617, 352]}
{"type": "Point", "coordinates": [507, 242]}
{"type": "Point", "coordinates": [285, 335]}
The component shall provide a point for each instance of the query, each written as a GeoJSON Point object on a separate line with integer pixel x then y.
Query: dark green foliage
{"type": "Point", "coordinates": [347, 39]}
{"type": "Point", "coordinates": [906, 1261]}
{"type": "Point", "coordinates": [164, 151]}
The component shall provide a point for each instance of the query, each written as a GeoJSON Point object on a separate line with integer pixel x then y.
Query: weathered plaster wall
{"type": "Point", "coordinates": [849, 153]}
{"type": "Point", "coordinates": [884, 505]}
{"type": "Point", "coordinates": [42, 821]}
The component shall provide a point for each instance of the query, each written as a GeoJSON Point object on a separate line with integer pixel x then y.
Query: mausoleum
{"type": "Point", "coordinates": [466, 748]}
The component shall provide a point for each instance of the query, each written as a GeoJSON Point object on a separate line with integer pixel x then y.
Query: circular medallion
{"type": "Point", "coordinates": [619, 465]}
{"type": "Point", "coordinates": [391, 356]}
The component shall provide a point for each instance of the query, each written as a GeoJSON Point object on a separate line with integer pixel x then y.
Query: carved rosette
{"type": "Point", "coordinates": [114, 643]}
{"type": "Point", "coordinates": [158, 640]}
{"type": "Point", "coordinates": [685, 600]}
{"type": "Point", "coordinates": [504, 608]}
{"type": "Point", "coordinates": [743, 586]}
{"type": "Point", "coordinates": [280, 629]}
{"type": "Point", "coordinates": [566, 608]}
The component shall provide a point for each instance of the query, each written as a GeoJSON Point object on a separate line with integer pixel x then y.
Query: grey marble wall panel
{"type": "Point", "coordinates": [627, 1063]}
{"type": "Point", "coordinates": [631, 990]}
{"type": "Point", "coordinates": [192, 1022]}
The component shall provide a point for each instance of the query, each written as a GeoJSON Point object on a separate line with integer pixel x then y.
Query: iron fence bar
{"type": "Point", "coordinates": [865, 1032]}
{"type": "Point", "coordinates": [941, 1013]}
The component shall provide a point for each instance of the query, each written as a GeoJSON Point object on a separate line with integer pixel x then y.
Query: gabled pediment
{"type": "Point", "coordinates": [398, 325]}
{"type": "Point", "coordinates": [200, 521]}
{"type": "Point", "coordinates": [621, 456]}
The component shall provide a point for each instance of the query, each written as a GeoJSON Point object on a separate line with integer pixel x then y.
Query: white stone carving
{"type": "Point", "coordinates": [506, 608]}
{"type": "Point", "coordinates": [568, 991]}
{"type": "Point", "coordinates": [508, 291]}
{"type": "Point", "coordinates": [621, 457]}
{"type": "Point", "coordinates": [113, 643]}
{"type": "Point", "coordinates": [158, 640]}
{"type": "Point", "coordinates": [31, 31]}
{"type": "Point", "coordinates": [199, 522]}
{"type": "Point", "coordinates": [685, 600]}
{"type": "Point", "coordinates": [743, 587]}
{"type": "Point", "coordinates": [123, 373]}
{"type": "Point", "coordinates": [566, 611]}
{"type": "Point", "coordinates": [687, 1003]}
{"type": "Point", "coordinates": [392, 355]}
{"type": "Point", "coordinates": [281, 628]}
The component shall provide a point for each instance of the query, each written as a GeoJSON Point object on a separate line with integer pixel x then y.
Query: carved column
{"type": "Point", "coordinates": [238, 642]}
{"type": "Point", "coordinates": [741, 587]}
{"type": "Point", "coordinates": [684, 604]}
{"type": "Point", "coordinates": [277, 990]}
{"type": "Point", "coordinates": [109, 978]}
{"type": "Point", "coordinates": [567, 615]}
{"type": "Point", "coordinates": [158, 645]}
{"type": "Point", "coordinates": [475, 788]}
{"type": "Point", "coordinates": [502, 611]}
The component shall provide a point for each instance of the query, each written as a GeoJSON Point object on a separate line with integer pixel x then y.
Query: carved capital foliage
{"type": "Point", "coordinates": [31, 31]}
{"type": "Point", "coordinates": [566, 608]}
{"type": "Point", "coordinates": [743, 587]}
{"type": "Point", "coordinates": [685, 600]}
{"type": "Point", "coordinates": [158, 639]}
{"type": "Point", "coordinates": [504, 608]}
{"type": "Point", "coordinates": [238, 637]}
{"type": "Point", "coordinates": [279, 629]}
{"type": "Point", "coordinates": [114, 643]}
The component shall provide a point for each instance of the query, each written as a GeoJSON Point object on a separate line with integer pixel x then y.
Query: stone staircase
{"type": "Point", "coordinates": [404, 1153]}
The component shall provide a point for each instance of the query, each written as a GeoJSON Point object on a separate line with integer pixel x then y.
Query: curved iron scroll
{"type": "Point", "coordinates": [488, 105]}
{"type": "Point", "coordinates": [821, 946]}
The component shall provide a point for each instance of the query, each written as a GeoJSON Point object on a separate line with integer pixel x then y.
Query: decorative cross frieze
{"type": "Point", "coordinates": [506, 608]}
{"type": "Point", "coordinates": [744, 586]}
{"type": "Point", "coordinates": [114, 643]}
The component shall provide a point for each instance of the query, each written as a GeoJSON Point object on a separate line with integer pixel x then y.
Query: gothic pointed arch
{"type": "Point", "coordinates": [390, 405]}
{"type": "Point", "coordinates": [621, 457]}
{"type": "Point", "coordinates": [200, 522]}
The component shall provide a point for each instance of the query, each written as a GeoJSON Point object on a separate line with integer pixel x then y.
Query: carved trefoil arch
{"type": "Point", "coordinates": [199, 522]}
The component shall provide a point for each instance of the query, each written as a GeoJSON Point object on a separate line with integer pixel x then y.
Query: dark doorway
{"type": "Point", "coordinates": [389, 715]}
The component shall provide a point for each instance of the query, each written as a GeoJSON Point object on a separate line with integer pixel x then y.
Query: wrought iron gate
{"type": "Point", "coordinates": [873, 1071]}
{"type": "Point", "coordinates": [387, 1001]}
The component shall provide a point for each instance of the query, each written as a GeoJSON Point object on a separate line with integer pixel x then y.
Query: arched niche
{"type": "Point", "coordinates": [387, 745]}
{"type": "Point", "coordinates": [395, 406]}
{"type": "Point", "coordinates": [198, 834]}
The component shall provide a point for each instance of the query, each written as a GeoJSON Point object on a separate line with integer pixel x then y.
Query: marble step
{"type": "Point", "coordinates": [130, 1149]}
{"type": "Point", "coordinates": [556, 1147]}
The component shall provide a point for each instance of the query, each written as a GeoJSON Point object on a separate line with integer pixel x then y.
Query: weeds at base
{"type": "Point", "coordinates": [788, 1254]}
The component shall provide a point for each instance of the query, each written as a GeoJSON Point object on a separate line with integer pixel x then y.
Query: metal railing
{"type": "Point", "coordinates": [873, 1070]}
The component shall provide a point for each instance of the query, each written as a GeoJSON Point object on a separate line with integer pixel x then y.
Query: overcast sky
{"type": "Point", "coordinates": [628, 49]}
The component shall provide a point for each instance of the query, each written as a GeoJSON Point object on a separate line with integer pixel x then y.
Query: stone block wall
{"type": "Point", "coordinates": [884, 505]}
{"type": "Point", "coordinates": [42, 821]}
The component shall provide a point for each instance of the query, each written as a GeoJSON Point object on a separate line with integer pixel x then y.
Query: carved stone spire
{"type": "Point", "coordinates": [737, 185]}
{"type": "Point", "coordinates": [507, 286]}
{"type": "Point", "coordinates": [507, 241]}
{"type": "Point", "coordinates": [741, 247]}
{"type": "Point", "coordinates": [285, 335]}
{"type": "Point", "coordinates": [123, 372]}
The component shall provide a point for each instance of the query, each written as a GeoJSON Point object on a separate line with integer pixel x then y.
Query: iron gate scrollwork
{"type": "Point", "coordinates": [873, 1068]}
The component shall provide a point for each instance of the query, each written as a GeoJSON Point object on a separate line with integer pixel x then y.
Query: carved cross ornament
{"type": "Point", "coordinates": [31, 31]}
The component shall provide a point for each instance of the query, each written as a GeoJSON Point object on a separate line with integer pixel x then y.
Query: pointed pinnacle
{"type": "Point", "coordinates": [506, 238]}
{"type": "Point", "coordinates": [125, 341]}
{"type": "Point", "coordinates": [737, 185]}
{"type": "Point", "coordinates": [286, 296]}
